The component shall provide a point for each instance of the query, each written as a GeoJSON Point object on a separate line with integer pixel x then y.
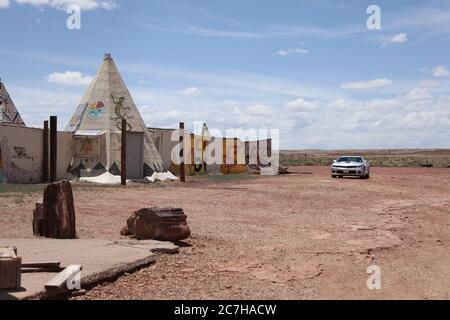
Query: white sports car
{"type": "Point", "coordinates": [355, 166]}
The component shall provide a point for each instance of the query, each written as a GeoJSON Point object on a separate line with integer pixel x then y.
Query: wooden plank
{"type": "Point", "coordinates": [63, 277]}
{"type": "Point", "coordinates": [4, 253]}
{"type": "Point", "coordinates": [7, 252]}
{"type": "Point", "coordinates": [42, 270]}
{"type": "Point", "coordinates": [42, 265]}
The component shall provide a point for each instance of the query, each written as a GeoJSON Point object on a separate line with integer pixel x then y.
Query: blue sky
{"type": "Point", "coordinates": [309, 68]}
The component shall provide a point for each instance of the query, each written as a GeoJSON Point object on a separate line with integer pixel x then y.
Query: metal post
{"type": "Point", "coordinates": [45, 152]}
{"type": "Point", "coordinates": [182, 169]}
{"type": "Point", "coordinates": [53, 148]}
{"type": "Point", "coordinates": [123, 169]}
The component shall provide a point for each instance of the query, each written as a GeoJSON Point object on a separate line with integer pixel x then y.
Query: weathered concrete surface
{"type": "Point", "coordinates": [101, 259]}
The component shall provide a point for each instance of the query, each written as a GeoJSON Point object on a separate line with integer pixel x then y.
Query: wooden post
{"type": "Point", "coordinates": [235, 155]}
{"type": "Point", "coordinates": [182, 169]}
{"type": "Point", "coordinates": [123, 167]}
{"type": "Point", "coordinates": [45, 151]}
{"type": "Point", "coordinates": [53, 148]}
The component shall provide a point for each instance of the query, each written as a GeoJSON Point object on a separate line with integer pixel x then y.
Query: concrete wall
{"type": "Point", "coordinates": [65, 152]}
{"type": "Point", "coordinates": [162, 141]}
{"type": "Point", "coordinates": [21, 154]}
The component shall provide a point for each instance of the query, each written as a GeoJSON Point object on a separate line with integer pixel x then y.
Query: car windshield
{"type": "Point", "coordinates": [350, 159]}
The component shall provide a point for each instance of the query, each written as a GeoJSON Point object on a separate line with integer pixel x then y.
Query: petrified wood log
{"type": "Point", "coordinates": [55, 217]}
{"type": "Point", "coordinates": [165, 224]}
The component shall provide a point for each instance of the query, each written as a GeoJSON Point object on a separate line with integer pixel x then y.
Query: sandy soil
{"type": "Point", "coordinates": [300, 236]}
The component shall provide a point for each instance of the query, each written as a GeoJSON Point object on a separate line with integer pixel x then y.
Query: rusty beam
{"type": "Point", "coordinates": [123, 169]}
{"type": "Point", "coordinates": [53, 148]}
{"type": "Point", "coordinates": [45, 168]}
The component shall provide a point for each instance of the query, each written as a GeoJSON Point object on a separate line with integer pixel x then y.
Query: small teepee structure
{"type": "Point", "coordinates": [8, 111]}
{"type": "Point", "coordinates": [96, 126]}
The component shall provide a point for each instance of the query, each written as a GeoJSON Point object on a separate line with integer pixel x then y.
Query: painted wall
{"type": "Point", "coordinates": [21, 154]}
{"type": "Point", "coordinates": [162, 140]}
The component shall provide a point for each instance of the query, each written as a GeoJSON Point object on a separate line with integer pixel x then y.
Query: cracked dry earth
{"type": "Point", "coordinates": [299, 236]}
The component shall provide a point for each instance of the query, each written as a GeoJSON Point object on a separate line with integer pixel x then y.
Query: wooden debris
{"type": "Point", "coordinates": [42, 265]}
{"type": "Point", "coordinates": [64, 278]}
{"type": "Point", "coordinates": [284, 170]}
{"type": "Point", "coordinates": [10, 269]}
{"type": "Point", "coordinates": [46, 267]}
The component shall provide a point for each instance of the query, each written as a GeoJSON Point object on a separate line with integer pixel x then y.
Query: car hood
{"type": "Point", "coordinates": [348, 164]}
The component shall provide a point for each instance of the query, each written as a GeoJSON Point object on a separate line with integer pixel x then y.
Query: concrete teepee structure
{"type": "Point", "coordinates": [8, 111]}
{"type": "Point", "coordinates": [96, 126]}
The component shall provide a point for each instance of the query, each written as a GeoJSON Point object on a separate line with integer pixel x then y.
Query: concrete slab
{"type": "Point", "coordinates": [101, 259]}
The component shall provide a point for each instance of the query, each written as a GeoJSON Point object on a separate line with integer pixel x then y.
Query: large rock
{"type": "Point", "coordinates": [164, 224]}
{"type": "Point", "coordinates": [55, 217]}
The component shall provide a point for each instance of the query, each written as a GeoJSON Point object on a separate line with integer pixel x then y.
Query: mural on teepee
{"type": "Point", "coordinates": [75, 122]}
{"type": "Point", "coordinates": [96, 110]}
{"type": "Point", "coordinates": [8, 111]}
{"type": "Point", "coordinates": [106, 102]}
{"type": "Point", "coordinates": [120, 115]}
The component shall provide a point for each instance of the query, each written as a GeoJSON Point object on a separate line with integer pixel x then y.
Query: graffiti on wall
{"type": "Point", "coordinates": [120, 111]}
{"type": "Point", "coordinates": [11, 171]}
{"type": "Point", "coordinates": [21, 153]}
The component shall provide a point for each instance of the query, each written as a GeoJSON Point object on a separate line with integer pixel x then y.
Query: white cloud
{"type": "Point", "coordinates": [371, 84]}
{"type": "Point", "coordinates": [292, 51]}
{"type": "Point", "coordinates": [191, 92]}
{"type": "Point", "coordinates": [417, 94]}
{"type": "Point", "coordinates": [301, 104]}
{"type": "Point", "coordinates": [70, 78]}
{"type": "Point", "coordinates": [64, 4]}
{"type": "Point", "coordinates": [440, 71]}
{"type": "Point", "coordinates": [4, 4]}
{"type": "Point", "coordinates": [260, 110]}
{"type": "Point", "coordinates": [399, 38]}
{"type": "Point", "coordinates": [430, 83]}
{"type": "Point", "coordinates": [416, 118]}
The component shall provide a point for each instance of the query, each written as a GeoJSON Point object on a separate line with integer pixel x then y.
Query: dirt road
{"type": "Point", "coordinates": [300, 236]}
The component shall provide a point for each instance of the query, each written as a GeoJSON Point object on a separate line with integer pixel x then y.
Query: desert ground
{"type": "Point", "coordinates": [297, 236]}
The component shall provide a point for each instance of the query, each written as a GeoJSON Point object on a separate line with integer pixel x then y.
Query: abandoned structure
{"type": "Point", "coordinates": [96, 126]}
{"type": "Point", "coordinates": [8, 111]}
{"type": "Point", "coordinates": [89, 148]}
